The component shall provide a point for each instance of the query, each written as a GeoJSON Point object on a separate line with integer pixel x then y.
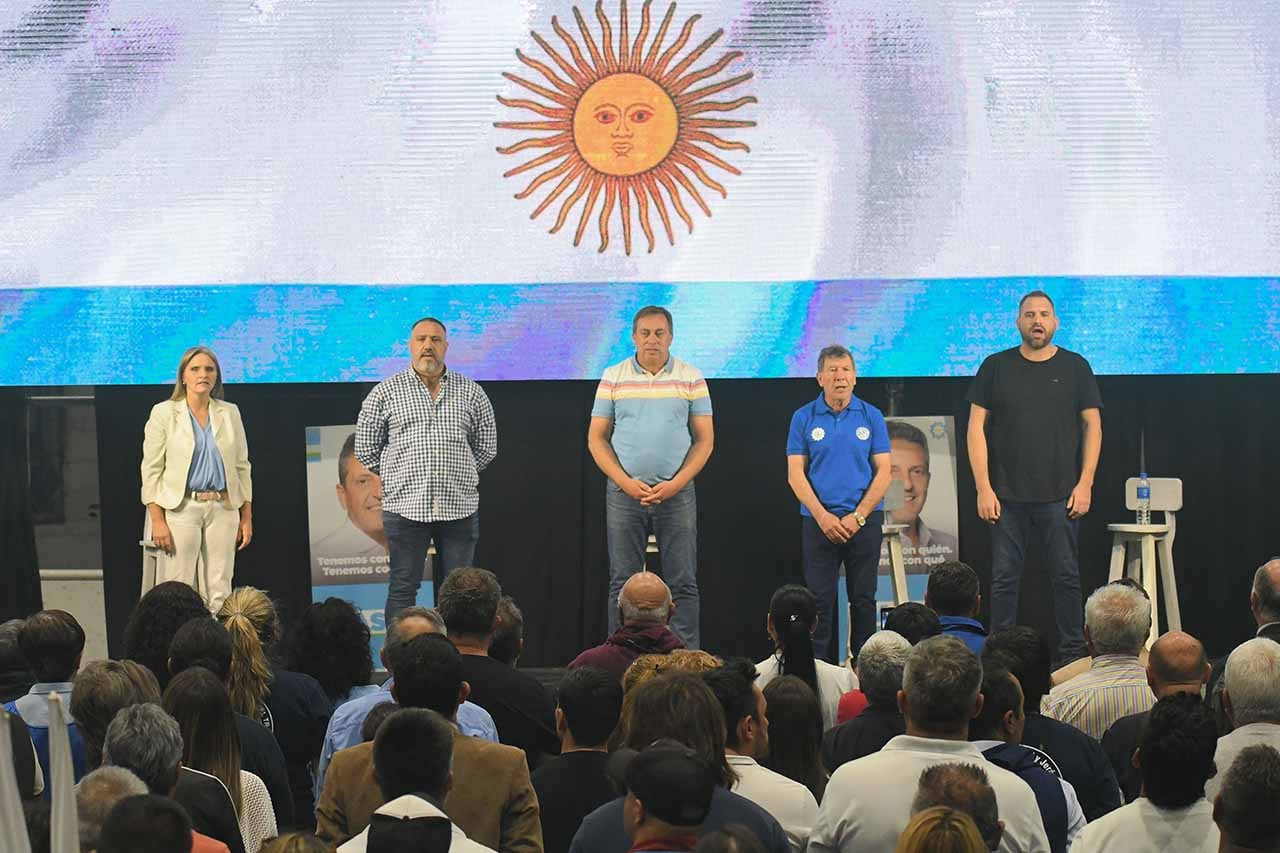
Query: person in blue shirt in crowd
{"type": "Point", "coordinates": [953, 593]}
{"type": "Point", "coordinates": [348, 718]}
{"type": "Point", "coordinates": [838, 466]}
{"type": "Point", "coordinates": [51, 641]}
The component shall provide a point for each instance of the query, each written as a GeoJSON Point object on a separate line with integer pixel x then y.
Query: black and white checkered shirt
{"type": "Point", "coordinates": [429, 453]}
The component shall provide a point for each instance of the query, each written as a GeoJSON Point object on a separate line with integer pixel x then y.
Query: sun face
{"type": "Point", "coordinates": [626, 126]}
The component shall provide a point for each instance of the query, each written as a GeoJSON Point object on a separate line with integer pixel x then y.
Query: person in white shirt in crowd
{"type": "Point", "coordinates": [747, 741]}
{"type": "Point", "coordinates": [793, 617]}
{"type": "Point", "coordinates": [1251, 698]}
{"type": "Point", "coordinates": [1117, 621]}
{"type": "Point", "coordinates": [868, 801]}
{"type": "Point", "coordinates": [412, 761]}
{"type": "Point", "coordinates": [1175, 756]}
{"type": "Point", "coordinates": [1245, 808]}
{"type": "Point", "coordinates": [963, 787]}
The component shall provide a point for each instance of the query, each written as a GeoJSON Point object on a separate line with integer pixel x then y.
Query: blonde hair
{"type": "Point", "coordinates": [250, 619]}
{"type": "Point", "coordinates": [648, 667]}
{"type": "Point", "coordinates": [941, 830]}
{"type": "Point", "coordinates": [180, 390]}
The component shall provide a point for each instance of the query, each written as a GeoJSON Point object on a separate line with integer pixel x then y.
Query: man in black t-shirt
{"type": "Point", "coordinates": [1035, 431]}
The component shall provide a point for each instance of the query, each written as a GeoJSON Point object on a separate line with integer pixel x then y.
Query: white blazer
{"type": "Point", "coordinates": [169, 443]}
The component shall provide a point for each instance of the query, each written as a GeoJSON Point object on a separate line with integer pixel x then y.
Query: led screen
{"type": "Point", "coordinates": [293, 183]}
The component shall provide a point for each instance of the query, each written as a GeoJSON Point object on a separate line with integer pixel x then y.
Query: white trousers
{"type": "Point", "coordinates": [204, 548]}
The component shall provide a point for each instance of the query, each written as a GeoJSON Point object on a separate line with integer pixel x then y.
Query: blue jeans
{"type": "Point", "coordinates": [1058, 534]}
{"type": "Point", "coordinates": [407, 542]}
{"type": "Point", "coordinates": [861, 558]}
{"type": "Point", "coordinates": [674, 523]}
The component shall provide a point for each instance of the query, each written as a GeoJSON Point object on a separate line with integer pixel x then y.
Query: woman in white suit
{"type": "Point", "coordinates": [195, 480]}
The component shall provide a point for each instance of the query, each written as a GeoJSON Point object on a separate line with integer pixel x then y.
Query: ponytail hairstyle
{"type": "Point", "coordinates": [794, 612]}
{"type": "Point", "coordinates": [250, 619]}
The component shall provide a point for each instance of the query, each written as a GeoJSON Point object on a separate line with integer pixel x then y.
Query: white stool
{"type": "Point", "coordinates": [895, 499]}
{"type": "Point", "coordinates": [1150, 541]}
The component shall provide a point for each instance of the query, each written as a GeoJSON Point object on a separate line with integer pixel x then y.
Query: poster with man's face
{"type": "Point", "coordinates": [923, 458]}
{"type": "Point", "coordinates": [349, 557]}
{"type": "Point", "coordinates": [344, 511]}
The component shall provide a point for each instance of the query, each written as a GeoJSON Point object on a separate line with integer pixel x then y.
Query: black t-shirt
{"type": "Point", "coordinates": [1081, 760]}
{"type": "Point", "coordinates": [209, 805]}
{"type": "Point", "coordinates": [1120, 742]}
{"type": "Point", "coordinates": [521, 708]}
{"type": "Point", "coordinates": [261, 756]}
{"type": "Point", "coordinates": [1033, 425]}
{"type": "Point", "coordinates": [864, 735]}
{"type": "Point", "coordinates": [570, 787]}
{"type": "Point", "coordinates": [297, 713]}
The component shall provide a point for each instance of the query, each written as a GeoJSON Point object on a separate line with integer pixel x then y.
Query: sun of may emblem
{"type": "Point", "coordinates": [626, 125]}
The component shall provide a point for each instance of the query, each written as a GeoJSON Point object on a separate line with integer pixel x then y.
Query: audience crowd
{"type": "Point", "coordinates": [230, 734]}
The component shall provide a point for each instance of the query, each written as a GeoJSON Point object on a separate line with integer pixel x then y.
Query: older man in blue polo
{"type": "Point", "coordinates": [838, 467]}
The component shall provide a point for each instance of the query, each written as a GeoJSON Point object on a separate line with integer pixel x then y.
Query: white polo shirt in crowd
{"type": "Point", "coordinates": [1231, 745]}
{"type": "Point", "coordinates": [833, 682]}
{"type": "Point", "coordinates": [1140, 827]}
{"type": "Point", "coordinates": [791, 804]}
{"type": "Point", "coordinates": [868, 801]}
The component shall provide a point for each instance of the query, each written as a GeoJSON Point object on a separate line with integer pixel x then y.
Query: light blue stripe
{"type": "Point", "coordinates": [348, 333]}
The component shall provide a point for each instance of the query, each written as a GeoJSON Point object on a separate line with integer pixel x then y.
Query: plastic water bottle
{"type": "Point", "coordinates": [1144, 499]}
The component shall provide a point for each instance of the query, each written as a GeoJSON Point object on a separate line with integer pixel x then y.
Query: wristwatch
{"type": "Point", "coordinates": [860, 518]}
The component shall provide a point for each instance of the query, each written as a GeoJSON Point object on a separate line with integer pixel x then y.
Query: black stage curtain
{"type": "Point", "coordinates": [20, 577]}
{"type": "Point", "coordinates": [542, 513]}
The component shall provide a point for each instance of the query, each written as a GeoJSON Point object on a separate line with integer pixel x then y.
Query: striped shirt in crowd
{"type": "Point", "coordinates": [1114, 687]}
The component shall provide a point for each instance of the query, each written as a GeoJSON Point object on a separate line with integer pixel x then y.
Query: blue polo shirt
{"type": "Point", "coordinates": [839, 446]}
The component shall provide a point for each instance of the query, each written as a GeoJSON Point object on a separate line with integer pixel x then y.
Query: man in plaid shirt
{"type": "Point", "coordinates": [428, 433]}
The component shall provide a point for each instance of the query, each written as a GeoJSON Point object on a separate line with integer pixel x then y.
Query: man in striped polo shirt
{"type": "Point", "coordinates": [650, 434]}
{"type": "Point", "coordinates": [1117, 620]}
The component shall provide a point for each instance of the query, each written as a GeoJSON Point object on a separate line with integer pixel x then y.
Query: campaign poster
{"type": "Point", "coordinates": [922, 453]}
{"type": "Point", "coordinates": [923, 458]}
{"type": "Point", "coordinates": [349, 557]}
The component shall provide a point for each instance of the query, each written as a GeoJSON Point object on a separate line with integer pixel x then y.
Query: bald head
{"type": "Point", "coordinates": [1264, 600]}
{"type": "Point", "coordinates": [645, 600]}
{"type": "Point", "coordinates": [1177, 664]}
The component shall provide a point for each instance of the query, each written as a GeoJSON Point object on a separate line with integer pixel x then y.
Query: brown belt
{"type": "Point", "coordinates": [208, 496]}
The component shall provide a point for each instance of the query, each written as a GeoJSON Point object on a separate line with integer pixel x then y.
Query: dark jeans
{"type": "Point", "coordinates": [674, 524]}
{"type": "Point", "coordinates": [407, 542]}
{"type": "Point", "coordinates": [861, 559]}
{"type": "Point", "coordinates": [1058, 534]}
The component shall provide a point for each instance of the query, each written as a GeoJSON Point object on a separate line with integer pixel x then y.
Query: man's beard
{"type": "Point", "coordinates": [1043, 342]}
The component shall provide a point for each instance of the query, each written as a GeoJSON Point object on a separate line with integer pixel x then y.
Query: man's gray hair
{"type": "Point", "coordinates": [1118, 618]}
{"type": "Point", "coordinates": [430, 614]}
{"type": "Point", "coordinates": [146, 740]}
{"type": "Point", "coordinates": [635, 615]}
{"type": "Point", "coordinates": [880, 665]}
{"type": "Point", "coordinates": [941, 680]}
{"type": "Point", "coordinates": [1252, 682]}
{"type": "Point", "coordinates": [97, 794]}
{"type": "Point", "coordinates": [834, 351]}
{"type": "Point", "coordinates": [965, 788]}
{"type": "Point", "coordinates": [1245, 810]}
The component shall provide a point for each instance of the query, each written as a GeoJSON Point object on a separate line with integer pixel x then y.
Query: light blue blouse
{"type": "Point", "coordinates": [207, 473]}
